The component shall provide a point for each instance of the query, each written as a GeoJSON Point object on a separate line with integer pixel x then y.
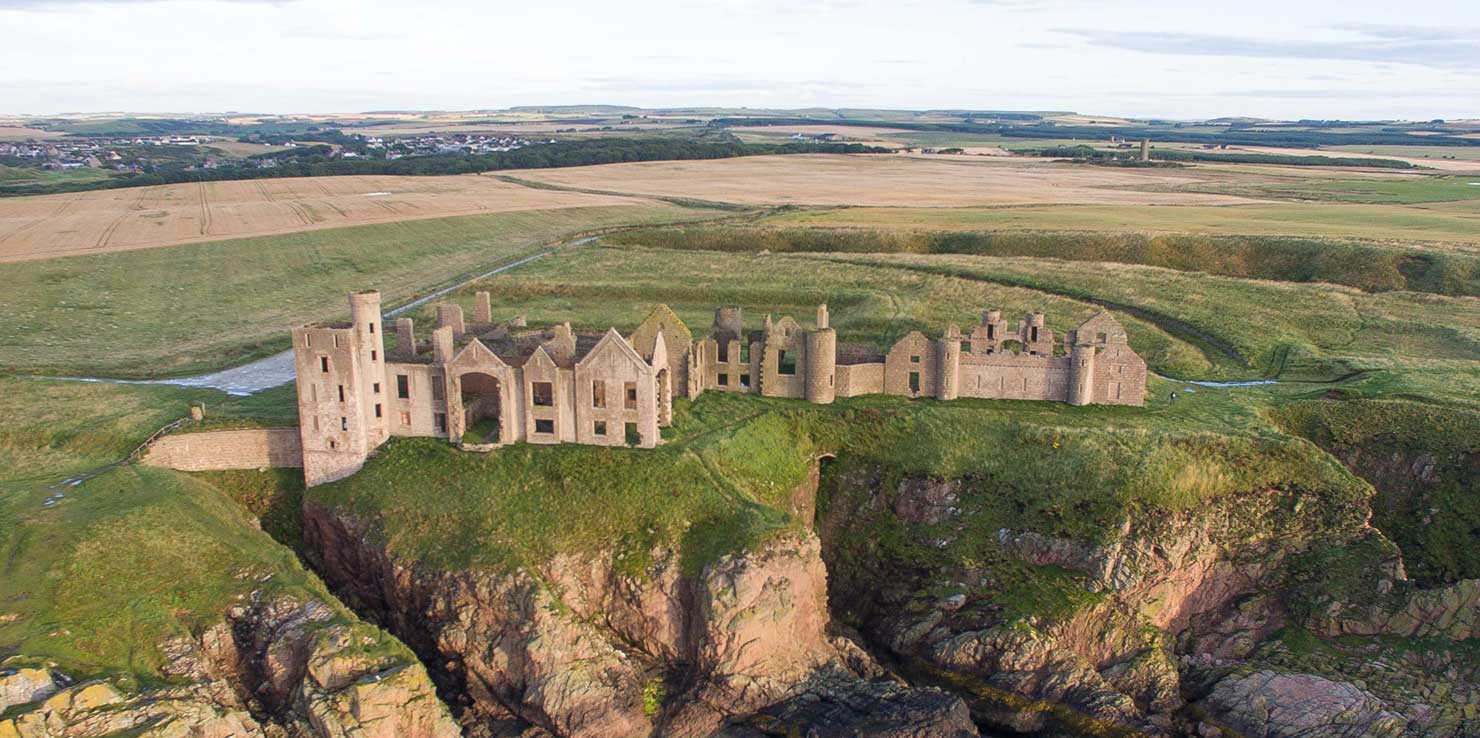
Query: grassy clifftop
{"type": "Point", "coordinates": [97, 580]}
{"type": "Point", "coordinates": [725, 477]}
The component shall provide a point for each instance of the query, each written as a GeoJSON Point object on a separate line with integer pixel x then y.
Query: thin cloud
{"type": "Point", "coordinates": [59, 4]}
{"type": "Point", "coordinates": [1428, 47]}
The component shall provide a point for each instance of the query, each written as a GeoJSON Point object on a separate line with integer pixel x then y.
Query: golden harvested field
{"type": "Point", "coordinates": [890, 180]}
{"type": "Point", "coordinates": [48, 226]}
{"type": "Point", "coordinates": [21, 133]}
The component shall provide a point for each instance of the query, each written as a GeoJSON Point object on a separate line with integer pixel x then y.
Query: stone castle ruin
{"type": "Point", "coordinates": [482, 383]}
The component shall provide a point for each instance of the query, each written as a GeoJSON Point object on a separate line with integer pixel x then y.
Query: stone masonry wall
{"type": "Point", "coordinates": [227, 449]}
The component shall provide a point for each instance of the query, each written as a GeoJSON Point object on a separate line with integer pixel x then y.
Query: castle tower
{"type": "Point", "coordinates": [369, 339]}
{"type": "Point", "coordinates": [1082, 375]}
{"type": "Point", "coordinates": [1145, 149]}
{"type": "Point", "coordinates": [822, 363]}
{"type": "Point", "coordinates": [341, 416]}
{"type": "Point", "coordinates": [949, 387]}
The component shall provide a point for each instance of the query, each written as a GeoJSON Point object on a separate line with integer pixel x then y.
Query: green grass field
{"type": "Point", "coordinates": [157, 312]}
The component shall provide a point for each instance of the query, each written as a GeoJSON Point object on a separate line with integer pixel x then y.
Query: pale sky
{"type": "Point", "coordinates": [1164, 58]}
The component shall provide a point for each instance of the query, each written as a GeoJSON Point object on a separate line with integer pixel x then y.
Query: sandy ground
{"type": "Point", "coordinates": [145, 217]}
{"type": "Point", "coordinates": [887, 180]}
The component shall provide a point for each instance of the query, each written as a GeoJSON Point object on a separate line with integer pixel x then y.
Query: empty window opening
{"type": "Point", "coordinates": [343, 423]}
{"type": "Point", "coordinates": [332, 444]}
{"type": "Point", "coordinates": [405, 418]}
{"type": "Point", "coordinates": [1100, 337]}
{"type": "Point", "coordinates": [785, 363]}
{"type": "Point", "coordinates": [724, 351]}
{"type": "Point", "coordinates": [915, 359]}
{"type": "Point", "coordinates": [599, 428]}
{"type": "Point", "coordinates": [598, 393]}
{"type": "Point", "coordinates": [724, 380]}
{"type": "Point", "coordinates": [914, 382]}
{"type": "Point", "coordinates": [307, 341]}
{"type": "Point", "coordinates": [744, 380]}
{"type": "Point", "coordinates": [632, 437]}
{"type": "Point", "coordinates": [403, 387]}
{"type": "Point", "coordinates": [336, 340]}
{"type": "Point", "coordinates": [377, 410]}
{"type": "Point", "coordinates": [745, 352]}
{"type": "Point", "coordinates": [543, 393]}
{"type": "Point", "coordinates": [313, 392]}
{"type": "Point", "coordinates": [437, 392]}
{"type": "Point", "coordinates": [341, 393]}
{"type": "Point", "coordinates": [991, 332]}
{"type": "Point", "coordinates": [1033, 334]}
{"type": "Point", "coordinates": [372, 327]}
{"type": "Point", "coordinates": [315, 422]}
{"type": "Point", "coordinates": [374, 355]}
{"type": "Point", "coordinates": [544, 425]}
{"type": "Point", "coordinates": [630, 401]}
{"type": "Point", "coordinates": [965, 347]}
{"type": "Point", "coordinates": [324, 364]}
{"type": "Point", "coordinates": [441, 420]}
{"type": "Point", "coordinates": [376, 387]}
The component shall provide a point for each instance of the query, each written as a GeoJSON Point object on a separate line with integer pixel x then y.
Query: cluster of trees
{"type": "Point", "coordinates": [1241, 133]}
{"type": "Point", "coordinates": [562, 154]}
{"type": "Point", "coordinates": [1178, 155]}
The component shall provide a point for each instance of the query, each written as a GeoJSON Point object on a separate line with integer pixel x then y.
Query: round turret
{"type": "Point", "coordinates": [822, 366]}
{"type": "Point", "coordinates": [364, 310]}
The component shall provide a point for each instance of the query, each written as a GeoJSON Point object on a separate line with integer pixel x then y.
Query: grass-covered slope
{"type": "Point", "coordinates": [97, 581]}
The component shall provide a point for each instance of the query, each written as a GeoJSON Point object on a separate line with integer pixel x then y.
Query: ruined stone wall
{"type": "Point", "coordinates": [331, 403]}
{"type": "Point", "coordinates": [415, 414]}
{"type": "Point", "coordinates": [860, 379]}
{"type": "Point", "coordinates": [1120, 376]}
{"type": "Point", "coordinates": [617, 373]}
{"type": "Point", "coordinates": [539, 369]}
{"type": "Point", "coordinates": [253, 448]}
{"type": "Point", "coordinates": [912, 355]}
{"type": "Point", "coordinates": [733, 373]}
{"type": "Point", "coordinates": [1013, 376]}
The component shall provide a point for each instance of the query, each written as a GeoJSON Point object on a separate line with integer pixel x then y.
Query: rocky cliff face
{"type": "Point", "coordinates": [1158, 628]}
{"type": "Point", "coordinates": [578, 649]}
{"type": "Point", "coordinates": [275, 667]}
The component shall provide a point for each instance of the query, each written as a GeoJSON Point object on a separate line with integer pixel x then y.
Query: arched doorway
{"type": "Point", "coordinates": [482, 408]}
{"type": "Point", "coordinates": [665, 398]}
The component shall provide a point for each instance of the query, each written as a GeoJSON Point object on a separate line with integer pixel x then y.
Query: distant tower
{"type": "Point", "coordinates": [1145, 149]}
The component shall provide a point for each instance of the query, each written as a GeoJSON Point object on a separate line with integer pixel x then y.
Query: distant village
{"type": "Point", "coordinates": [149, 153]}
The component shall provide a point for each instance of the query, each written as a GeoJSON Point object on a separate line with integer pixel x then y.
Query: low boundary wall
{"type": "Point", "coordinates": [250, 448]}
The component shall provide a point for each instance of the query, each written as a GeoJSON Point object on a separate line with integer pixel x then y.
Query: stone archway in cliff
{"type": "Point", "coordinates": [482, 402]}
